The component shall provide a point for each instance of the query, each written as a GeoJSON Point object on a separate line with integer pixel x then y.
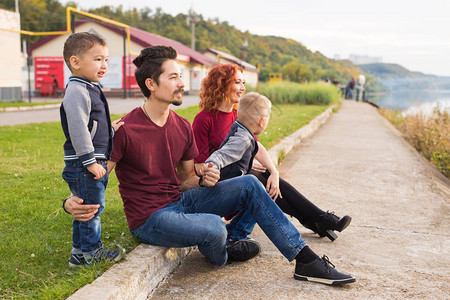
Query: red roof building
{"type": "Point", "coordinates": [48, 61]}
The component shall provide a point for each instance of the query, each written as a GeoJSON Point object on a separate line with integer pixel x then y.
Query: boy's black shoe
{"type": "Point", "coordinates": [242, 250]}
{"type": "Point", "coordinates": [323, 271]}
{"type": "Point", "coordinates": [77, 260]}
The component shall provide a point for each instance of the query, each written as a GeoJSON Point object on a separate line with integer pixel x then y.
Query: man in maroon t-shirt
{"type": "Point", "coordinates": [153, 155]}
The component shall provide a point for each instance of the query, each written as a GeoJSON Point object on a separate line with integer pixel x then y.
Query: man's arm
{"type": "Point", "coordinates": [189, 180]}
{"type": "Point", "coordinates": [111, 164]}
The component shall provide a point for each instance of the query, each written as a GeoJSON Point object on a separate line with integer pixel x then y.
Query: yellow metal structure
{"type": "Point", "coordinates": [275, 77]}
{"type": "Point", "coordinates": [69, 12]}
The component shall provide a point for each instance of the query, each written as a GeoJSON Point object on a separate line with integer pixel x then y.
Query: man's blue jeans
{"type": "Point", "coordinates": [86, 235]}
{"type": "Point", "coordinates": [196, 219]}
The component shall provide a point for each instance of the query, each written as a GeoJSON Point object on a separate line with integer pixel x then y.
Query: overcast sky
{"type": "Point", "coordinates": [412, 33]}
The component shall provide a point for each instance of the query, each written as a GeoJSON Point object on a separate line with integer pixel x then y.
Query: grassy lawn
{"type": "Point", "coordinates": [35, 233]}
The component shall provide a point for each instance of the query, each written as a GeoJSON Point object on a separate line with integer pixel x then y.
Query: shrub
{"type": "Point", "coordinates": [429, 134]}
{"type": "Point", "coordinates": [294, 93]}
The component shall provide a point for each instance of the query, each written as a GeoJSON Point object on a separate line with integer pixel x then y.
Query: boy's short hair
{"type": "Point", "coordinates": [253, 106]}
{"type": "Point", "coordinates": [149, 65]}
{"type": "Point", "coordinates": [78, 43]}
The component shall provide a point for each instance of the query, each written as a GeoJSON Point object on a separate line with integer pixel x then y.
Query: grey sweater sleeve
{"type": "Point", "coordinates": [77, 105]}
{"type": "Point", "coordinates": [232, 151]}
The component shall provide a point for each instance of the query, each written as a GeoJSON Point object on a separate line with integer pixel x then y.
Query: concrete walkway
{"type": "Point", "coordinates": [50, 113]}
{"type": "Point", "coordinates": [397, 245]}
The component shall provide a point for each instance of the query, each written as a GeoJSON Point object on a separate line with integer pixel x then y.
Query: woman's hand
{"type": "Point", "coordinates": [82, 213]}
{"type": "Point", "coordinates": [258, 167]}
{"type": "Point", "coordinates": [273, 185]}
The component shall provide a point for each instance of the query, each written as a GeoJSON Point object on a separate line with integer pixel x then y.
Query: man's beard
{"type": "Point", "coordinates": [178, 102]}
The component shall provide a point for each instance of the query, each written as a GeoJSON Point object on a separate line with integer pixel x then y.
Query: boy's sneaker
{"type": "Point", "coordinates": [104, 255]}
{"type": "Point", "coordinates": [321, 270]}
{"type": "Point", "coordinates": [242, 250]}
{"type": "Point", "coordinates": [77, 260]}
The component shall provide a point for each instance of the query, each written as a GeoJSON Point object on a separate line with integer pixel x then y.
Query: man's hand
{"type": "Point", "coordinates": [210, 174]}
{"type": "Point", "coordinates": [82, 213]}
{"type": "Point", "coordinates": [97, 170]}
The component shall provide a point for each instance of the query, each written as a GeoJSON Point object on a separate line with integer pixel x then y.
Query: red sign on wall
{"type": "Point", "coordinates": [45, 67]}
{"type": "Point", "coordinates": [130, 67]}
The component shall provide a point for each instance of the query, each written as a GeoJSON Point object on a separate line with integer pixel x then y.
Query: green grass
{"type": "Point", "coordinates": [35, 233]}
{"type": "Point", "coordinates": [22, 103]}
{"type": "Point", "coordinates": [305, 93]}
{"type": "Point", "coordinates": [287, 118]}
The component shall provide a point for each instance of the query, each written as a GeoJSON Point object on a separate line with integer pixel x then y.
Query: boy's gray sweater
{"type": "Point", "coordinates": [86, 122]}
{"type": "Point", "coordinates": [236, 153]}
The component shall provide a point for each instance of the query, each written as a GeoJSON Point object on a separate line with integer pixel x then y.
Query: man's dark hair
{"type": "Point", "coordinates": [149, 65]}
{"type": "Point", "coordinates": [78, 43]}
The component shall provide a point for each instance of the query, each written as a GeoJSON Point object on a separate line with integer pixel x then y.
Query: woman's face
{"type": "Point", "coordinates": [240, 87]}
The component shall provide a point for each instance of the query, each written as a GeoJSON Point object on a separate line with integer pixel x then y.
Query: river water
{"type": "Point", "coordinates": [413, 100]}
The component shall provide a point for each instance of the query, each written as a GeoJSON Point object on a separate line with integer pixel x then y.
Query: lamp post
{"type": "Point", "coordinates": [192, 18]}
{"type": "Point", "coordinates": [244, 48]}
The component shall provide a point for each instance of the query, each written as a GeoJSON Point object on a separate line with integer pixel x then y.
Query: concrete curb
{"type": "Point", "coordinates": [146, 266]}
{"type": "Point", "coordinates": [26, 108]}
{"type": "Point", "coordinates": [135, 277]}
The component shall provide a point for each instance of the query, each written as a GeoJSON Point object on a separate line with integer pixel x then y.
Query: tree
{"type": "Point", "coordinates": [296, 72]}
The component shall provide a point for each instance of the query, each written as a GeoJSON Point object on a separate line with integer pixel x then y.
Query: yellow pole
{"type": "Point", "coordinates": [68, 26]}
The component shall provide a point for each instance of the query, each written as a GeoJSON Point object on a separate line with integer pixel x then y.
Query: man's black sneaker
{"type": "Point", "coordinates": [323, 271]}
{"type": "Point", "coordinates": [104, 255]}
{"type": "Point", "coordinates": [242, 250]}
{"type": "Point", "coordinates": [77, 260]}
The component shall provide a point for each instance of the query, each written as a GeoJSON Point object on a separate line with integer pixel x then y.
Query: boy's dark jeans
{"type": "Point", "coordinates": [86, 235]}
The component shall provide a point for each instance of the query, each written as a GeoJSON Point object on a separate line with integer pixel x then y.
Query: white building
{"type": "Point", "coordinates": [364, 59]}
{"type": "Point", "coordinates": [10, 57]}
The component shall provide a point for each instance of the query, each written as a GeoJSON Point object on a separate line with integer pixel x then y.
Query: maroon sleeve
{"type": "Point", "coordinates": [202, 127]}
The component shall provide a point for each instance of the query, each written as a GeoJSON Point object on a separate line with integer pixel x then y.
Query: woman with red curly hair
{"type": "Point", "coordinates": [221, 91]}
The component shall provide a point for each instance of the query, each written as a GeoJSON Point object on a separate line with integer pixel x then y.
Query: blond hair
{"type": "Point", "coordinates": [252, 107]}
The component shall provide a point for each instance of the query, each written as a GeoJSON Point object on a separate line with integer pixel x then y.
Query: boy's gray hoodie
{"type": "Point", "coordinates": [86, 122]}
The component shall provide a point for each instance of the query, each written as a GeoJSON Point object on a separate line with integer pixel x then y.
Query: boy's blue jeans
{"type": "Point", "coordinates": [86, 235]}
{"type": "Point", "coordinates": [241, 225]}
{"type": "Point", "coordinates": [196, 219]}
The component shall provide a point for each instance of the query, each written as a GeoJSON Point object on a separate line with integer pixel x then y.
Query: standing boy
{"type": "Point", "coordinates": [87, 126]}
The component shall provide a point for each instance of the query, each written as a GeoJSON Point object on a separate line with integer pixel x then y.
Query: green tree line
{"type": "Point", "coordinates": [272, 53]}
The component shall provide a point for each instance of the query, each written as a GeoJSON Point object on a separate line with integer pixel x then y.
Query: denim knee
{"type": "Point", "coordinates": [217, 233]}
{"type": "Point", "coordinates": [252, 181]}
{"type": "Point", "coordinates": [213, 247]}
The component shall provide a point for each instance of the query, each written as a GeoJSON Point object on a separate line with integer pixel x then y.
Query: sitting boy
{"type": "Point", "coordinates": [236, 153]}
